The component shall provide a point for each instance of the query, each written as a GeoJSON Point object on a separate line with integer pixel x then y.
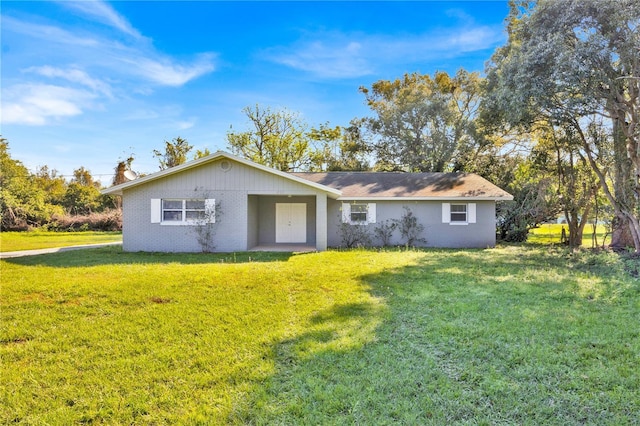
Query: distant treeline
{"type": "Point", "coordinates": [46, 200]}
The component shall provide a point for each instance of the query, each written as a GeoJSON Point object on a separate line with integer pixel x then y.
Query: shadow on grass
{"type": "Point", "coordinates": [115, 256]}
{"type": "Point", "coordinates": [463, 337]}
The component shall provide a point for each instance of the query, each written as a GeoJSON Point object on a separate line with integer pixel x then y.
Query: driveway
{"type": "Point", "coordinates": [21, 253]}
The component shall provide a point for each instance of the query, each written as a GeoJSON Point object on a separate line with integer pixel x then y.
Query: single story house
{"type": "Point", "coordinates": [250, 207]}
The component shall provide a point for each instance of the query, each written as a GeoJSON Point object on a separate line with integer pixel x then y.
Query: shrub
{"type": "Point", "coordinates": [354, 235]}
{"type": "Point", "coordinates": [409, 228]}
{"type": "Point", "coordinates": [110, 220]}
{"type": "Point", "coordinates": [205, 229]}
{"type": "Point", "coordinates": [384, 232]}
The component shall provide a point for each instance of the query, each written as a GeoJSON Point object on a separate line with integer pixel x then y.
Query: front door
{"type": "Point", "coordinates": [291, 222]}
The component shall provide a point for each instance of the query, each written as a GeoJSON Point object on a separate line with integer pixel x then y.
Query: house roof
{"type": "Point", "coordinates": [392, 185]}
{"type": "Point", "coordinates": [358, 185]}
{"type": "Point", "coordinates": [117, 189]}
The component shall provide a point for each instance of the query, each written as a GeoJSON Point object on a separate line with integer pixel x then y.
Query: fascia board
{"type": "Point", "coordinates": [509, 198]}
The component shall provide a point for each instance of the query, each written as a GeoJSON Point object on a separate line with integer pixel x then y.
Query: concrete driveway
{"type": "Point", "coordinates": [21, 253]}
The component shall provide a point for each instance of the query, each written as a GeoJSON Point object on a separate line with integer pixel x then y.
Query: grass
{"type": "Point", "coordinates": [17, 241]}
{"type": "Point", "coordinates": [552, 234]}
{"type": "Point", "coordinates": [513, 335]}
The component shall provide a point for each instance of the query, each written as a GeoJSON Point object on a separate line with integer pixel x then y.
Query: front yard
{"type": "Point", "coordinates": [17, 241]}
{"type": "Point", "coordinates": [513, 335]}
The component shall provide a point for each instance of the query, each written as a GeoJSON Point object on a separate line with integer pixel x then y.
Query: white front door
{"type": "Point", "coordinates": [291, 223]}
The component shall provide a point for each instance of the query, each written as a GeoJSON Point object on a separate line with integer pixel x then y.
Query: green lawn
{"type": "Point", "coordinates": [552, 233]}
{"type": "Point", "coordinates": [513, 335]}
{"type": "Point", "coordinates": [16, 241]}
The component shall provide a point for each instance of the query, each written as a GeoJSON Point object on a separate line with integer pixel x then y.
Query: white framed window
{"type": "Point", "coordinates": [458, 213]}
{"type": "Point", "coordinates": [182, 211]}
{"type": "Point", "coordinates": [358, 213]}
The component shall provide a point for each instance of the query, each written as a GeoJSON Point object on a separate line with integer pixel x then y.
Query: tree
{"type": "Point", "coordinates": [323, 142]}
{"type": "Point", "coordinates": [346, 148]}
{"type": "Point", "coordinates": [422, 121]}
{"type": "Point", "coordinates": [574, 61]}
{"type": "Point", "coordinates": [533, 203]}
{"type": "Point", "coordinates": [120, 169]}
{"type": "Point", "coordinates": [558, 154]}
{"type": "Point", "coordinates": [119, 177]}
{"type": "Point", "coordinates": [53, 189]}
{"type": "Point", "coordinates": [338, 148]}
{"type": "Point", "coordinates": [201, 153]}
{"type": "Point", "coordinates": [175, 153]}
{"type": "Point", "coordinates": [83, 193]}
{"type": "Point", "coordinates": [277, 139]}
{"type": "Point", "coordinates": [22, 200]}
{"type": "Point", "coordinates": [52, 184]}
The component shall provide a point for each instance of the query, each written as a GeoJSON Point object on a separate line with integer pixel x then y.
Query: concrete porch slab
{"type": "Point", "coordinates": [284, 247]}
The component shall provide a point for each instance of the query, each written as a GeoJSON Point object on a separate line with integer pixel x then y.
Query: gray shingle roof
{"type": "Point", "coordinates": [409, 185]}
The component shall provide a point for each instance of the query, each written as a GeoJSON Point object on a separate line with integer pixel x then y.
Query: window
{"type": "Point", "coordinates": [195, 209]}
{"type": "Point", "coordinates": [458, 213]}
{"type": "Point", "coordinates": [172, 210]}
{"type": "Point", "coordinates": [359, 213]}
{"type": "Point", "coordinates": [182, 212]}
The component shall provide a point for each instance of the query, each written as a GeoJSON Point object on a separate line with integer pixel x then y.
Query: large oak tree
{"type": "Point", "coordinates": [423, 122]}
{"type": "Point", "coordinates": [571, 62]}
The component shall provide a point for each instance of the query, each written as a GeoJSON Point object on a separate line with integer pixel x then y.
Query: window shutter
{"type": "Point", "coordinates": [446, 212]}
{"type": "Point", "coordinates": [156, 210]}
{"type": "Point", "coordinates": [371, 212]}
{"type": "Point", "coordinates": [471, 213]}
{"type": "Point", "coordinates": [210, 210]}
{"type": "Point", "coordinates": [346, 213]}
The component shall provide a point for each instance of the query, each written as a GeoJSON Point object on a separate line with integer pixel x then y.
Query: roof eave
{"type": "Point", "coordinates": [438, 198]}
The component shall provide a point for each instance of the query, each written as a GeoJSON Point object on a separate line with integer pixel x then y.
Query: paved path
{"type": "Point", "coordinates": [9, 254]}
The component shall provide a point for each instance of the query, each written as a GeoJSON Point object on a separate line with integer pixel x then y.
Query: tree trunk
{"type": "Point", "coordinates": [576, 228]}
{"type": "Point", "coordinates": [622, 235]}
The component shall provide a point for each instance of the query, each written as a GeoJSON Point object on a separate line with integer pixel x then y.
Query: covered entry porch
{"type": "Point", "coordinates": [287, 222]}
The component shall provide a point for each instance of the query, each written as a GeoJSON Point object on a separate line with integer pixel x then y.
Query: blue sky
{"type": "Point", "coordinates": [89, 83]}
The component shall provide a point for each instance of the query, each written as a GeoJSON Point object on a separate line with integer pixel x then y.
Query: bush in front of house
{"type": "Point", "coordinates": [410, 229]}
{"type": "Point", "coordinates": [355, 235]}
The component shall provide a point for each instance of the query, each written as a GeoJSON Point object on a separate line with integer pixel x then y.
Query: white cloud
{"type": "Point", "coordinates": [134, 58]}
{"type": "Point", "coordinates": [73, 75]}
{"type": "Point", "coordinates": [40, 104]}
{"type": "Point", "coordinates": [48, 33]}
{"type": "Point", "coordinates": [329, 59]}
{"type": "Point", "coordinates": [186, 124]}
{"type": "Point", "coordinates": [142, 114]}
{"type": "Point", "coordinates": [104, 13]}
{"type": "Point", "coordinates": [167, 72]}
{"type": "Point", "coordinates": [339, 55]}
{"type": "Point", "coordinates": [473, 39]}
{"type": "Point", "coordinates": [460, 14]}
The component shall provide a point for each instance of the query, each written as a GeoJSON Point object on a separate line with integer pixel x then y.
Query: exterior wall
{"type": "Point", "coordinates": [230, 188]}
{"type": "Point", "coordinates": [267, 217]}
{"type": "Point", "coordinates": [481, 234]}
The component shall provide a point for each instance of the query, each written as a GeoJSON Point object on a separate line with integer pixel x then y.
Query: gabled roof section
{"type": "Point", "coordinates": [416, 186]}
{"type": "Point", "coordinates": [118, 189]}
